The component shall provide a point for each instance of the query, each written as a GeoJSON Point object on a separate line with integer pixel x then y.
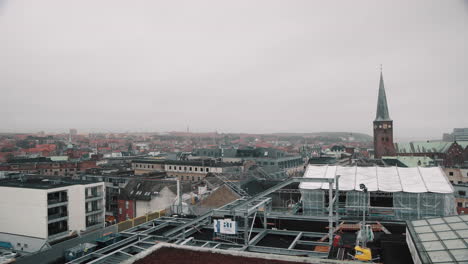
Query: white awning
{"type": "Point", "coordinates": [385, 179]}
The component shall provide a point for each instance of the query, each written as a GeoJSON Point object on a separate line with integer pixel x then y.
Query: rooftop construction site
{"type": "Point", "coordinates": [329, 215]}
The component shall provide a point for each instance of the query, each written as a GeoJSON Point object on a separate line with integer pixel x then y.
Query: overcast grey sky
{"type": "Point", "coordinates": [232, 66]}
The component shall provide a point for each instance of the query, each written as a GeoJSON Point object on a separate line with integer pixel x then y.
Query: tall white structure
{"type": "Point", "coordinates": [38, 210]}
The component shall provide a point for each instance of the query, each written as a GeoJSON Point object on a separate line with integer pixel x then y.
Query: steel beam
{"type": "Point", "coordinates": [290, 252]}
{"type": "Point", "coordinates": [258, 237]}
{"type": "Point", "coordinates": [293, 244]}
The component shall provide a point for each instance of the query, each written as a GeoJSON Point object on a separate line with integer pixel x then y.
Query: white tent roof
{"type": "Point", "coordinates": [385, 179]}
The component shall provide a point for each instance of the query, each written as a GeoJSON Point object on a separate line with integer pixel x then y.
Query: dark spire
{"type": "Point", "coordinates": [382, 108]}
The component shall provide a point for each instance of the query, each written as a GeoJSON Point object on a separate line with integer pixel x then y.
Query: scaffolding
{"type": "Point", "coordinates": [406, 206]}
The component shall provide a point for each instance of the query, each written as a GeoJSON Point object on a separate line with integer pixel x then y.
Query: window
{"type": "Point", "coordinates": [170, 167]}
{"type": "Point", "coordinates": [193, 178]}
{"type": "Point", "coordinates": [207, 170]}
{"type": "Point", "coordinates": [120, 211]}
{"type": "Point", "coordinates": [126, 204]}
{"type": "Point", "coordinates": [180, 168]}
{"type": "Point", "coordinates": [462, 193]}
{"type": "Point", "coordinates": [190, 168]}
{"type": "Point", "coordinates": [451, 173]}
{"type": "Point", "coordinates": [459, 204]}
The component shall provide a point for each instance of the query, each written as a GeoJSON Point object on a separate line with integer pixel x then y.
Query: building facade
{"type": "Point", "coordinates": [185, 170]}
{"type": "Point", "coordinates": [141, 197]}
{"type": "Point", "coordinates": [447, 154]}
{"type": "Point", "coordinates": [50, 168]}
{"type": "Point", "coordinates": [40, 210]}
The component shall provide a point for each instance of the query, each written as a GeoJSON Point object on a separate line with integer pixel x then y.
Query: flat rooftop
{"type": "Point", "coordinates": [41, 182]}
{"type": "Point", "coordinates": [175, 254]}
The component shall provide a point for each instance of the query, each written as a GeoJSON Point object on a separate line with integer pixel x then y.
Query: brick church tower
{"type": "Point", "coordinates": [383, 126]}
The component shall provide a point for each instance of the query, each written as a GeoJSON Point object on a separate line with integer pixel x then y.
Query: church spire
{"type": "Point", "coordinates": [382, 108]}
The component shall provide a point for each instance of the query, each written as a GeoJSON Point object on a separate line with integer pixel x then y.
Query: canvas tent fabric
{"type": "Point", "coordinates": [383, 179]}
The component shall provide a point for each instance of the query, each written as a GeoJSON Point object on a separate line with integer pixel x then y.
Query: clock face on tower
{"type": "Point", "coordinates": [385, 126]}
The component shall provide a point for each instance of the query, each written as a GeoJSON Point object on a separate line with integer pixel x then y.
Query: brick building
{"type": "Point", "coordinates": [141, 197]}
{"type": "Point", "coordinates": [383, 126]}
{"type": "Point", "coordinates": [447, 154]}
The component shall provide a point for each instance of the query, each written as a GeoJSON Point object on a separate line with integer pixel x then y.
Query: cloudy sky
{"type": "Point", "coordinates": [232, 66]}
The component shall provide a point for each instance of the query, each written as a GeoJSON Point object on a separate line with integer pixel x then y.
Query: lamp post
{"type": "Point", "coordinates": [364, 239]}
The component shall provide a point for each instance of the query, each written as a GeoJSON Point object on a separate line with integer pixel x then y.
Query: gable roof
{"type": "Point", "coordinates": [221, 196]}
{"type": "Point", "coordinates": [144, 190]}
{"type": "Point", "coordinates": [423, 147]}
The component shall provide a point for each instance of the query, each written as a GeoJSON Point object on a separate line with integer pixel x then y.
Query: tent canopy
{"type": "Point", "coordinates": [385, 179]}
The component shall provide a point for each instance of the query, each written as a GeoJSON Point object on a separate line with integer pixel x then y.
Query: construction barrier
{"type": "Point", "coordinates": [140, 220]}
{"type": "Point", "coordinates": [122, 226]}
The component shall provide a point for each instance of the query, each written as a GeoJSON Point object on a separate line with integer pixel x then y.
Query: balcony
{"type": "Point", "coordinates": [93, 211]}
{"type": "Point", "coordinates": [57, 217]}
{"type": "Point", "coordinates": [94, 224]}
{"type": "Point", "coordinates": [56, 202]}
{"type": "Point", "coordinates": [58, 234]}
{"type": "Point", "coordinates": [93, 197]}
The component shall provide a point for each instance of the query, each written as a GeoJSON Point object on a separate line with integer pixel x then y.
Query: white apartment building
{"type": "Point", "coordinates": [38, 210]}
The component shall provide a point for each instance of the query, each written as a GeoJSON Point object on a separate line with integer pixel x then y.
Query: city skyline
{"type": "Point", "coordinates": [302, 67]}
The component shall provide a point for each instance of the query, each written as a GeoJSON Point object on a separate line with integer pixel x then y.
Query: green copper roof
{"type": "Point", "coordinates": [413, 161]}
{"type": "Point", "coordinates": [423, 147]}
{"type": "Point", "coordinates": [382, 107]}
{"type": "Point", "coordinates": [463, 144]}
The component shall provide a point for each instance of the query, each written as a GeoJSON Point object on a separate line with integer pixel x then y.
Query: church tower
{"type": "Point", "coordinates": [383, 126]}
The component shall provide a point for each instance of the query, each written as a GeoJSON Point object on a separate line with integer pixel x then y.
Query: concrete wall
{"type": "Point", "coordinates": [77, 204]}
{"type": "Point", "coordinates": [23, 212]}
{"type": "Point", "coordinates": [23, 217]}
{"type": "Point", "coordinates": [23, 243]}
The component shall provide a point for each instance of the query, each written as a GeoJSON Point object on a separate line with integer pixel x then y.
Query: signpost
{"type": "Point", "coordinates": [226, 226]}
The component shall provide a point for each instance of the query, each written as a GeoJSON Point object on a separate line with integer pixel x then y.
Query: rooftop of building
{"type": "Point", "coordinates": [144, 190]}
{"type": "Point", "coordinates": [384, 179]}
{"type": "Point", "coordinates": [423, 147]}
{"type": "Point", "coordinates": [41, 182]}
{"type": "Point", "coordinates": [440, 239]}
{"type": "Point", "coordinates": [409, 161]}
{"type": "Point", "coordinates": [197, 162]}
{"type": "Point", "coordinates": [169, 253]}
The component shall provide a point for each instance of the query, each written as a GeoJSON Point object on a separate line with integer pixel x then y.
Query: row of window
{"type": "Point", "coordinates": [188, 168]}
{"type": "Point", "coordinates": [451, 173]}
{"type": "Point", "coordinates": [190, 178]}
{"type": "Point", "coordinates": [144, 166]}
{"type": "Point", "coordinates": [66, 170]}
